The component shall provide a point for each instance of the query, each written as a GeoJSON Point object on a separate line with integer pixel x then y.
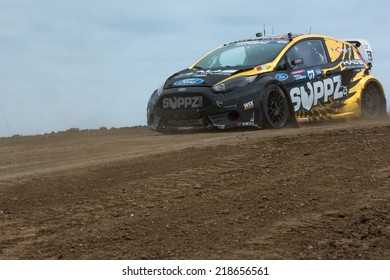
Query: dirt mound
{"type": "Point", "coordinates": [317, 192]}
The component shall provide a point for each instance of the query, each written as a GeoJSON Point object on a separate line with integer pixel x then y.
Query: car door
{"type": "Point", "coordinates": [312, 87]}
{"type": "Point", "coordinates": [350, 65]}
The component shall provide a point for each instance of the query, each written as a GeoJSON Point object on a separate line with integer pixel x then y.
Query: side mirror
{"type": "Point", "coordinates": [281, 67]}
{"type": "Point", "coordinates": [297, 61]}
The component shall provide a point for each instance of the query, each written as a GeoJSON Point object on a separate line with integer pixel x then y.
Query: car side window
{"type": "Point", "coordinates": [312, 53]}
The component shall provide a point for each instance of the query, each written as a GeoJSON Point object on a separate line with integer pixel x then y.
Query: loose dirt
{"type": "Point", "coordinates": [316, 192]}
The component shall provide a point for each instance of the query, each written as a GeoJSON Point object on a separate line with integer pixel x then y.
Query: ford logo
{"type": "Point", "coordinates": [281, 77]}
{"type": "Point", "coordinates": [189, 82]}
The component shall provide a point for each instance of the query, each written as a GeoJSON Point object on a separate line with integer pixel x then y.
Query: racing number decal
{"type": "Point", "coordinates": [311, 74]}
{"type": "Point", "coordinates": [309, 95]}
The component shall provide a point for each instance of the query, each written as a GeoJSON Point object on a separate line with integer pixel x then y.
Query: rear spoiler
{"type": "Point", "coordinates": [364, 48]}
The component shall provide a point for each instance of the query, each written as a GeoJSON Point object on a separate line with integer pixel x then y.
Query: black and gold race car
{"type": "Point", "coordinates": [270, 82]}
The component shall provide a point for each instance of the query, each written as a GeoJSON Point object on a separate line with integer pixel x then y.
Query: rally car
{"type": "Point", "coordinates": [270, 82]}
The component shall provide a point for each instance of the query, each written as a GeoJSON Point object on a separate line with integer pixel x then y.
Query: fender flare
{"type": "Point", "coordinates": [265, 82]}
{"type": "Point", "coordinates": [378, 85]}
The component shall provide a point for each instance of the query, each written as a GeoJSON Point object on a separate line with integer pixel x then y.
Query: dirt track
{"type": "Point", "coordinates": [318, 192]}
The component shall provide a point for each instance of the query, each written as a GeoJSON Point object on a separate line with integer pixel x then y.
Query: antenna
{"type": "Point", "coordinates": [310, 30]}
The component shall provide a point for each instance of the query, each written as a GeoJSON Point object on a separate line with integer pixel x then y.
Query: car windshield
{"type": "Point", "coordinates": [243, 54]}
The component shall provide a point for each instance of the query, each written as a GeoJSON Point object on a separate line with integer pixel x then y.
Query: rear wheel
{"type": "Point", "coordinates": [372, 103]}
{"type": "Point", "coordinates": [275, 107]}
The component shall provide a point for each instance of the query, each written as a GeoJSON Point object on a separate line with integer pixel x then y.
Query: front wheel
{"type": "Point", "coordinates": [275, 107]}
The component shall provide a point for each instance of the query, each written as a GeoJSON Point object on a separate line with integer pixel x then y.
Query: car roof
{"type": "Point", "coordinates": [288, 37]}
{"type": "Point", "coordinates": [268, 38]}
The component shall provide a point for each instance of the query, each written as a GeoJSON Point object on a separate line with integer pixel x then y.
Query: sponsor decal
{"type": "Point", "coordinates": [250, 123]}
{"type": "Point", "coordinates": [281, 77]}
{"type": "Point", "coordinates": [299, 75]}
{"type": "Point", "coordinates": [314, 73]}
{"type": "Point", "coordinates": [205, 73]}
{"type": "Point", "coordinates": [340, 50]}
{"type": "Point", "coordinates": [249, 105]}
{"type": "Point", "coordinates": [258, 42]}
{"type": "Point", "coordinates": [182, 89]}
{"type": "Point", "coordinates": [240, 124]}
{"type": "Point", "coordinates": [297, 72]}
{"type": "Point", "coordinates": [261, 67]}
{"type": "Point", "coordinates": [185, 122]}
{"type": "Point", "coordinates": [353, 64]}
{"type": "Point", "coordinates": [304, 75]}
{"type": "Point", "coordinates": [182, 102]}
{"type": "Point", "coordinates": [219, 103]}
{"type": "Point", "coordinates": [369, 56]}
{"type": "Point", "coordinates": [247, 43]}
{"type": "Point", "coordinates": [308, 96]}
{"type": "Point", "coordinates": [303, 119]}
{"type": "Point", "coordinates": [185, 128]}
{"type": "Point", "coordinates": [188, 82]}
{"type": "Point", "coordinates": [318, 72]}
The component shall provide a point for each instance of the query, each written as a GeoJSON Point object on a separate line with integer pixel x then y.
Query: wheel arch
{"type": "Point", "coordinates": [375, 82]}
{"type": "Point", "coordinates": [265, 83]}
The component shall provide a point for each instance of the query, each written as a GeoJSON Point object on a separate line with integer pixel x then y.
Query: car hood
{"type": "Point", "coordinates": [196, 77]}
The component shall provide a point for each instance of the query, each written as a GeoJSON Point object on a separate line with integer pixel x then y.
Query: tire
{"type": "Point", "coordinates": [275, 107]}
{"type": "Point", "coordinates": [373, 106]}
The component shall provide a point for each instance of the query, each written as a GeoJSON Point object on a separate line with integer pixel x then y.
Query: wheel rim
{"type": "Point", "coordinates": [370, 103]}
{"type": "Point", "coordinates": [276, 108]}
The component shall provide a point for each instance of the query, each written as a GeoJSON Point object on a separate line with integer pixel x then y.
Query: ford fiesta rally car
{"type": "Point", "coordinates": [270, 82]}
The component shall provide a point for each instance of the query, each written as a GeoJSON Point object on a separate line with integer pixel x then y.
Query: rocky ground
{"type": "Point", "coordinates": [316, 192]}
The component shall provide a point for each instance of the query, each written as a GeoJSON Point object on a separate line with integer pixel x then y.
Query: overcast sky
{"type": "Point", "coordinates": [92, 63]}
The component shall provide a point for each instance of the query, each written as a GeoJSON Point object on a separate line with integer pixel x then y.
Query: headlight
{"type": "Point", "coordinates": [234, 83]}
{"type": "Point", "coordinates": [155, 95]}
{"type": "Point", "coordinates": [160, 89]}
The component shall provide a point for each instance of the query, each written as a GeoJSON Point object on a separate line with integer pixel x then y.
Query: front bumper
{"type": "Point", "coordinates": [199, 108]}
